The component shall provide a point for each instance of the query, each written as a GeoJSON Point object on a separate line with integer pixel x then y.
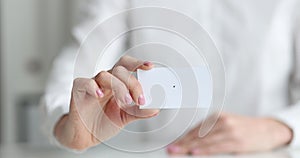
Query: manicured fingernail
{"type": "Point", "coordinates": [147, 63]}
{"type": "Point", "coordinates": [156, 114]}
{"type": "Point", "coordinates": [128, 99]}
{"type": "Point", "coordinates": [141, 99]}
{"type": "Point", "coordinates": [100, 93]}
{"type": "Point", "coordinates": [174, 149]}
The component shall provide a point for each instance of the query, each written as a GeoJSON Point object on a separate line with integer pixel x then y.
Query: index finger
{"type": "Point", "coordinates": [132, 64]}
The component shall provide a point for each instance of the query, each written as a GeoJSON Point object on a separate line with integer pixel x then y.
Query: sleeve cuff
{"type": "Point", "coordinates": [51, 118]}
{"type": "Point", "coordinates": [292, 119]}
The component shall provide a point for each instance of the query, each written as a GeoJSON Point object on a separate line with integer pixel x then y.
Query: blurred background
{"type": "Point", "coordinates": [32, 33]}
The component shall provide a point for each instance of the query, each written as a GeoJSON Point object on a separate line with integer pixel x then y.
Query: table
{"type": "Point", "coordinates": [102, 151]}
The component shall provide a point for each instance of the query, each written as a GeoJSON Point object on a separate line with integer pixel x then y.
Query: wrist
{"type": "Point", "coordinates": [60, 130]}
{"type": "Point", "coordinates": [282, 132]}
{"type": "Point", "coordinates": [71, 133]}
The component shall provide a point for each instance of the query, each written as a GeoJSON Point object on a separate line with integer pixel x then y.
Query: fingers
{"type": "Point", "coordinates": [190, 136]}
{"type": "Point", "coordinates": [207, 142]}
{"type": "Point", "coordinates": [223, 147]}
{"type": "Point", "coordinates": [88, 86]}
{"type": "Point", "coordinates": [131, 83]}
{"type": "Point", "coordinates": [121, 71]}
{"type": "Point", "coordinates": [180, 147]}
{"type": "Point", "coordinates": [110, 83]}
{"type": "Point", "coordinates": [136, 92]}
{"type": "Point", "coordinates": [132, 64]}
{"type": "Point", "coordinates": [210, 139]}
{"type": "Point", "coordinates": [134, 113]}
{"type": "Point", "coordinates": [186, 144]}
{"type": "Point", "coordinates": [196, 146]}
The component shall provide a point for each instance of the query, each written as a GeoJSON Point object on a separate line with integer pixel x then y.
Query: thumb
{"type": "Point", "coordinates": [133, 113]}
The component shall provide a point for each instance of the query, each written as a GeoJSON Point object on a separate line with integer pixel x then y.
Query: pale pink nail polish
{"type": "Point", "coordinates": [141, 99]}
{"type": "Point", "coordinates": [174, 149]}
{"type": "Point", "coordinates": [128, 99]}
{"type": "Point", "coordinates": [100, 93]}
{"type": "Point", "coordinates": [147, 63]}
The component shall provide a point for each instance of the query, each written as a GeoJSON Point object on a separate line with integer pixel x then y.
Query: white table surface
{"type": "Point", "coordinates": [30, 151]}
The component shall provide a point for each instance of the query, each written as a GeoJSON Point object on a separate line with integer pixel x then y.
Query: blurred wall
{"type": "Point", "coordinates": [32, 33]}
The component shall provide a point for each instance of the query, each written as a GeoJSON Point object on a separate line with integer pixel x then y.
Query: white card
{"type": "Point", "coordinates": [167, 88]}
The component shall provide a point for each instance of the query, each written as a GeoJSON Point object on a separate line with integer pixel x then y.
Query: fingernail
{"type": "Point", "coordinates": [147, 63]}
{"type": "Point", "coordinates": [156, 114]}
{"type": "Point", "coordinates": [174, 149]}
{"type": "Point", "coordinates": [128, 99]}
{"type": "Point", "coordinates": [100, 93]}
{"type": "Point", "coordinates": [141, 99]}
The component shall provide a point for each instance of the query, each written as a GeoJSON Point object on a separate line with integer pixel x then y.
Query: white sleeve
{"type": "Point", "coordinates": [55, 102]}
{"type": "Point", "coordinates": [291, 116]}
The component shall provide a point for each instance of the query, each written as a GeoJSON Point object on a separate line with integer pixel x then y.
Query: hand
{"type": "Point", "coordinates": [99, 107]}
{"type": "Point", "coordinates": [234, 134]}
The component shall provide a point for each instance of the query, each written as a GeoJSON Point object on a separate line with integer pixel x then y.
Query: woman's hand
{"type": "Point", "coordinates": [99, 107]}
{"type": "Point", "coordinates": [234, 134]}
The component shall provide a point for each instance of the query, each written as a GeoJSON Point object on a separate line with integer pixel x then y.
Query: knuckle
{"type": "Point", "coordinates": [80, 81]}
{"type": "Point", "coordinates": [101, 75]}
{"type": "Point", "coordinates": [90, 83]}
{"type": "Point", "coordinates": [123, 58]}
{"type": "Point", "coordinates": [225, 120]}
{"type": "Point", "coordinates": [83, 83]}
{"type": "Point", "coordinates": [76, 81]}
{"type": "Point", "coordinates": [119, 69]}
{"type": "Point", "coordinates": [138, 63]}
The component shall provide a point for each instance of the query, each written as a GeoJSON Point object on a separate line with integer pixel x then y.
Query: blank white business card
{"type": "Point", "coordinates": [174, 88]}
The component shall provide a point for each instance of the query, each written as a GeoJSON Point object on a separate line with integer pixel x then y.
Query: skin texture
{"type": "Point", "coordinates": [234, 134]}
{"type": "Point", "coordinates": [99, 109]}
{"type": "Point", "coordinates": [99, 106]}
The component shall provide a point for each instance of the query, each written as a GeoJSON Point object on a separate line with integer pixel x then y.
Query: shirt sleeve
{"type": "Point", "coordinates": [55, 102]}
{"type": "Point", "coordinates": [291, 116]}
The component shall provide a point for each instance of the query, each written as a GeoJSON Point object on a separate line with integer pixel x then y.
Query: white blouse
{"type": "Point", "coordinates": [258, 40]}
